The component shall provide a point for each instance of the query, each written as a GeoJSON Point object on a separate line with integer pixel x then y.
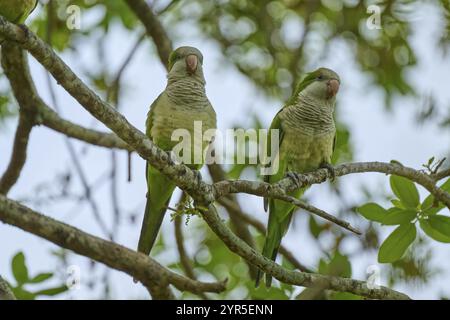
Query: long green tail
{"type": "Point", "coordinates": [280, 216]}
{"type": "Point", "coordinates": [160, 190]}
{"type": "Point", "coordinates": [275, 232]}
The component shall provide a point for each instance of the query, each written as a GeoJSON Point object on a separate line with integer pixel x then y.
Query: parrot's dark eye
{"type": "Point", "coordinates": [320, 77]}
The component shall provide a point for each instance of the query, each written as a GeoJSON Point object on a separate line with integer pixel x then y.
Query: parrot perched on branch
{"type": "Point", "coordinates": [182, 102]}
{"type": "Point", "coordinates": [17, 11]}
{"type": "Point", "coordinates": [307, 136]}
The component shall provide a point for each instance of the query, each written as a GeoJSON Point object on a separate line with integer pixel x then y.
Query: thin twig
{"type": "Point", "coordinates": [19, 153]}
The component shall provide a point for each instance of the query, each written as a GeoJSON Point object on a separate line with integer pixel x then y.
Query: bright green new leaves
{"type": "Point", "coordinates": [405, 190]}
{"type": "Point", "coordinates": [21, 275]}
{"type": "Point", "coordinates": [406, 211]}
{"type": "Point", "coordinates": [372, 211]}
{"type": "Point", "coordinates": [393, 216]}
{"type": "Point", "coordinates": [19, 269]}
{"type": "Point", "coordinates": [339, 265]}
{"type": "Point", "coordinates": [395, 245]}
{"type": "Point", "coordinates": [440, 224]}
{"type": "Point", "coordinates": [432, 233]}
{"type": "Point", "coordinates": [397, 216]}
{"type": "Point", "coordinates": [429, 206]}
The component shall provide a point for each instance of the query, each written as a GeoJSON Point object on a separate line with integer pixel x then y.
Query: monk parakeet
{"type": "Point", "coordinates": [182, 102]}
{"type": "Point", "coordinates": [17, 11]}
{"type": "Point", "coordinates": [307, 136]}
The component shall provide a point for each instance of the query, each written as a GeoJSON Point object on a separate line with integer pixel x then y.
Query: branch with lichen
{"type": "Point", "coordinates": [5, 291]}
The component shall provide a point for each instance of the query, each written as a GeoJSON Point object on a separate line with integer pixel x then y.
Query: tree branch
{"type": "Point", "coordinates": [244, 217]}
{"type": "Point", "coordinates": [19, 153]}
{"type": "Point", "coordinates": [27, 118]}
{"type": "Point", "coordinates": [281, 188]}
{"type": "Point", "coordinates": [217, 174]}
{"type": "Point", "coordinates": [52, 120]}
{"type": "Point", "coordinates": [5, 291]}
{"type": "Point", "coordinates": [136, 264]}
{"type": "Point", "coordinates": [154, 28]}
{"type": "Point", "coordinates": [239, 247]}
{"type": "Point", "coordinates": [179, 238]}
{"type": "Point", "coordinates": [441, 174]}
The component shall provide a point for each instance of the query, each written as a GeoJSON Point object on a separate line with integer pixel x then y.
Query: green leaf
{"type": "Point", "coordinates": [372, 211]}
{"type": "Point", "coordinates": [340, 266]}
{"type": "Point", "coordinates": [19, 269]}
{"type": "Point", "coordinates": [397, 203]}
{"type": "Point", "coordinates": [22, 294]}
{"type": "Point", "coordinates": [395, 245]}
{"type": "Point", "coordinates": [263, 293]}
{"type": "Point", "coordinates": [397, 216]}
{"type": "Point", "coordinates": [446, 186]}
{"type": "Point", "coordinates": [441, 224]}
{"type": "Point", "coordinates": [405, 190]}
{"type": "Point", "coordinates": [41, 277]}
{"type": "Point", "coordinates": [432, 233]}
{"type": "Point", "coordinates": [427, 204]}
{"type": "Point", "coordinates": [52, 291]}
{"type": "Point", "coordinates": [315, 228]}
{"type": "Point", "coordinates": [432, 210]}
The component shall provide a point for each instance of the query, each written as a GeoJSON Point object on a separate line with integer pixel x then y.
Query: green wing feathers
{"type": "Point", "coordinates": [17, 11]}
{"type": "Point", "coordinates": [275, 125]}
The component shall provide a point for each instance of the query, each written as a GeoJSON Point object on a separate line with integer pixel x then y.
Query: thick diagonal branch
{"type": "Point", "coordinates": [244, 217]}
{"type": "Point", "coordinates": [5, 291]}
{"type": "Point", "coordinates": [239, 247]}
{"type": "Point", "coordinates": [153, 27]}
{"type": "Point", "coordinates": [241, 229]}
{"type": "Point", "coordinates": [137, 265]}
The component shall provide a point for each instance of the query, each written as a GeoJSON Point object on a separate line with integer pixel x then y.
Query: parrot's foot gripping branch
{"type": "Point", "coordinates": [330, 169]}
{"type": "Point", "coordinates": [295, 177]}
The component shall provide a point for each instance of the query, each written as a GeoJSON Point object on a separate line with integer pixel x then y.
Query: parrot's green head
{"type": "Point", "coordinates": [321, 84]}
{"type": "Point", "coordinates": [186, 62]}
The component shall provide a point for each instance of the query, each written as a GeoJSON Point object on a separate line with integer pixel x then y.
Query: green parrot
{"type": "Point", "coordinates": [182, 102]}
{"type": "Point", "coordinates": [16, 11]}
{"type": "Point", "coordinates": [307, 136]}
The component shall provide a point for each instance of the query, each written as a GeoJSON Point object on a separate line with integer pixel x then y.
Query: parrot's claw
{"type": "Point", "coordinates": [25, 29]}
{"type": "Point", "coordinates": [294, 177]}
{"type": "Point", "coordinates": [198, 176]}
{"type": "Point", "coordinates": [330, 169]}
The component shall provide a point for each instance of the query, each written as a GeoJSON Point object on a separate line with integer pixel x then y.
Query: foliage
{"type": "Point", "coordinates": [24, 281]}
{"type": "Point", "coordinates": [406, 213]}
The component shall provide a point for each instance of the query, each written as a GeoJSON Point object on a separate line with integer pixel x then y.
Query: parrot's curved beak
{"type": "Point", "coordinates": [332, 87]}
{"type": "Point", "coordinates": [191, 63]}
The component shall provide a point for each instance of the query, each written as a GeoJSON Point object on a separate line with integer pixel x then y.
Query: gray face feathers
{"type": "Point", "coordinates": [189, 56]}
{"type": "Point", "coordinates": [321, 84]}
